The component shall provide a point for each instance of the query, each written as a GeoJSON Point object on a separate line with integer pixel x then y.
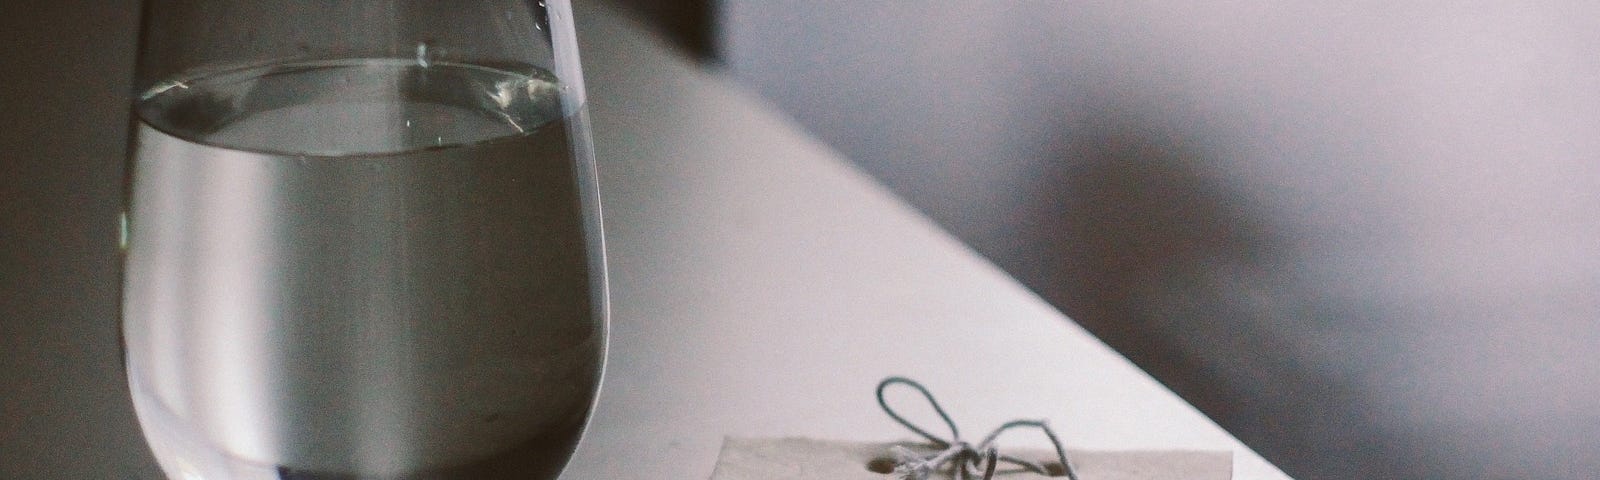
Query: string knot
{"type": "Point", "coordinates": [963, 459]}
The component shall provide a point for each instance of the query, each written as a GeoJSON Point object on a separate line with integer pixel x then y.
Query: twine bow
{"type": "Point", "coordinates": [965, 460]}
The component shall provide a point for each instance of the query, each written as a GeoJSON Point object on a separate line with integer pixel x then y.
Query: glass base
{"type": "Point", "coordinates": [185, 455]}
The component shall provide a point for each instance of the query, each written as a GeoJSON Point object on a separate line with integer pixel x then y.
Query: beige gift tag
{"type": "Point", "coordinates": [806, 459]}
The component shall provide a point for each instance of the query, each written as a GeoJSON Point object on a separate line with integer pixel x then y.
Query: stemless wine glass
{"type": "Point", "coordinates": [362, 240]}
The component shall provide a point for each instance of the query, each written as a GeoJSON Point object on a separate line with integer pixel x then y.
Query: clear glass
{"type": "Point", "coordinates": [362, 240]}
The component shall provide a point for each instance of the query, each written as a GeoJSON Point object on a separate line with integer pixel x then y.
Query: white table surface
{"type": "Point", "coordinates": [761, 286]}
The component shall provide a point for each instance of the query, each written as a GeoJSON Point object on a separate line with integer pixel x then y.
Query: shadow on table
{"type": "Point", "coordinates": [1140, 239]}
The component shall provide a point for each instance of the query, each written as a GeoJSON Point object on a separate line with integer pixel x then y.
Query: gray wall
{"type": "Point", "coordinates": [62, 123]}
{"type": "Point", "coordinates": [686, 24]}
{"type": "Point", "coordinates": [1361, 235]}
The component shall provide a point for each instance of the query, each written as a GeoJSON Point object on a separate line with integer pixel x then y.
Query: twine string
{"type": "Point", "coordinates": [965, 460]}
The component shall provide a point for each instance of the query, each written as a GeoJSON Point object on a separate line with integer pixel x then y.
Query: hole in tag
{"type": "Point", "coordinates": [1055, 469]}
{"type": "Point", "coordinates": [881, 465]}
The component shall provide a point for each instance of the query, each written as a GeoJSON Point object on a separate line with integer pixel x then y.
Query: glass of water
{"type": "Point", "coordinates": [362, 240]}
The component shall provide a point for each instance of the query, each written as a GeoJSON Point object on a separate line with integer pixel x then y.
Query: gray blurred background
{"type": "Point", "coordinates": [1359, 235]}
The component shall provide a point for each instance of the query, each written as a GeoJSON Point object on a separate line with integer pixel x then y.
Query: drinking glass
{"type": "Point", "coordinates": [362, 240]}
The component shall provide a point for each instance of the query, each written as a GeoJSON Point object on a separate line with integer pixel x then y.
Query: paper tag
{"type": "Point", "coordinates": [807, 459]}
